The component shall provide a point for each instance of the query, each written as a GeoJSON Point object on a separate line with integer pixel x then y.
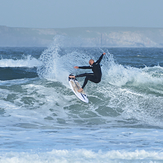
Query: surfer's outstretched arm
{"type": "Point", "coordinates": [99, 60]}
{"type": "Point", "coordinates": [83, 67]}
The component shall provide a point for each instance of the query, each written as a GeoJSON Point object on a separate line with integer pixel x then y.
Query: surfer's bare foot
{"type": "Point", "coordinates": [80, 90]}
{"type": "Point", "coordinates": [72, 77]}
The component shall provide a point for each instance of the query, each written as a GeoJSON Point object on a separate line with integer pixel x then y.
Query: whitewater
{"type": "Point", "coordinates": [41, 120]}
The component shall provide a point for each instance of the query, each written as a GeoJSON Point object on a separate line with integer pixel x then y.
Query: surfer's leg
{"type": "Point", "coordinates": [90, 77]}
{"type": "Point", "coordinates": [85, 74]}
{"type": "Point", "coordinates": [85, 82]}
{"type": "Point", "coordinates": [81, 75]}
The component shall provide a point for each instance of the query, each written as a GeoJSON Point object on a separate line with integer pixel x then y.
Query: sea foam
{"type": "Point", "coordinates": [82, 156]}
{"type": "Point", "coordinates": [27, 61]}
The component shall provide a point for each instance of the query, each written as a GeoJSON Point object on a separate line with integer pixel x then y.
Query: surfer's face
{"type": "Point", "coordinates": [91, 61]}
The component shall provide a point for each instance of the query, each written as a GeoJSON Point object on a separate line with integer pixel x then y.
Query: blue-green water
{"type": "Point", "coordinates": [41, 120]}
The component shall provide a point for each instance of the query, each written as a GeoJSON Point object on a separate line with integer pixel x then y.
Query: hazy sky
{"type": "Point", "coordinates": [81, 13]}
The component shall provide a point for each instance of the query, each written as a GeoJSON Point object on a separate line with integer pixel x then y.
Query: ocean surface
{"type": "Point", "coordinates": [42, 121]}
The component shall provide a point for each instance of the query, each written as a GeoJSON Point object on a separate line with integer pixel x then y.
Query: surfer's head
{"type": "Point", "coordinates": [91, 61]}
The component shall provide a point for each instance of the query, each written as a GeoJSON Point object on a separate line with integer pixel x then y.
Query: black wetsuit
{"type": "Point", "coordinates": [96, 75]}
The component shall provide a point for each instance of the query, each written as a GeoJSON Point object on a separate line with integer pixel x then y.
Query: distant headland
{"type": "Point", "coordinates": [82, 37]}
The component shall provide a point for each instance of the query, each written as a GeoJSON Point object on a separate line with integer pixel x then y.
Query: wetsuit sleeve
{"type": "Point", "coordinates": [85, 67]}
{"type": "Point", "coordinates": [99, 60]}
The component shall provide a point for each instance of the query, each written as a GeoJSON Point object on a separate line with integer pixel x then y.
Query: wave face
{"type": "Point", "coordinates": [127, 92]}
{"type": "Point", "coordinates": [41, 118]}
{"type": "Point", "coordinates": [18, 63]}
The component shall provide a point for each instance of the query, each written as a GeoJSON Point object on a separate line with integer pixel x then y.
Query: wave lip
{"type": "Point", "coordinates": [28, 61]}
{"type": "Point", "coordinates": [20, 68]}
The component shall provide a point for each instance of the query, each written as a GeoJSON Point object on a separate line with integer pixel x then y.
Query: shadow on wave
{"type": "Point", "coordinates": [10, 73]}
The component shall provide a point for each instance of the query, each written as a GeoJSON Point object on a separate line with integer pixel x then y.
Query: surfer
{"type": "Point", "coordinates": [93, 77]}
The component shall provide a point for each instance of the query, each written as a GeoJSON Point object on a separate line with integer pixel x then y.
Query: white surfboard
{"type": "Point", "coordinates": [75, 86]}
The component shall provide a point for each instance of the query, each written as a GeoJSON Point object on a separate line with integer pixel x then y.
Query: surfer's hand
{"type": "Point", "coordinates": [76, 67]}
{"type": "Point", "coordinates": [104, 53]}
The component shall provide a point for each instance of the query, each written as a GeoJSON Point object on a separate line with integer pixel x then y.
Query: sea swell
{"type": "Point", "coordinates": [41, 120]}
{"type": "Point", "coordinates": [130, 95]}
{"type": "Point", "coordinates": [127, 94]}
{"type": "Point", "coordinates": [25, 67]}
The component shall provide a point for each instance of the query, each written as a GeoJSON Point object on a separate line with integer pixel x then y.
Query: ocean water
{"type": "Point", "coordinates": [42, 121]}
